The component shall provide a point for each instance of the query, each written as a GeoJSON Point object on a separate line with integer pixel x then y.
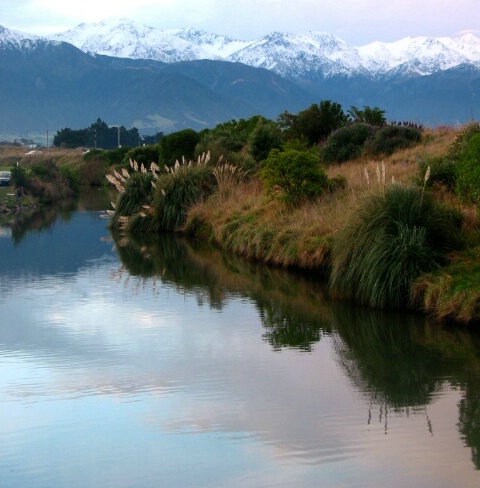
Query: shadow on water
{"type": "Point", "coordinates": [399, 361]}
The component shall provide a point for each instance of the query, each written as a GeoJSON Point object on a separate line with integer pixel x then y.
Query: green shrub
{"type": "Point", "coordinates": [442, 171]}
{"type": "Point", "coordinates": [457, 149]}
{"type": "Point", "coordinates": [138, 192]}
{"type": "Point", "coordinates": [145, 155]}
{"type": "Point", "coordinates": [391, 138]}
{"type": "Point", "coordinates": [391, 240]}
{"type": "Point", "coordinates": [92, 172]}
{"type": "Point", "coordinates": [293, 175]}
{"type": "Point", "coordinates": [70, 177]}
{"type": "Point", "coordinates": [177, 145]}
{"type": "Point", "coordinates": [110, 157]}
{"type": "Point", "coordinates": [177, 190]}
{"type": "Point", "coordinates": [467, 169]}
{"type": "Point", "coordinates": [346, 143]}
{"type": "Point", "coordinates": [19, 176]}
{"type": "Point", "coordinates": [265, 137]}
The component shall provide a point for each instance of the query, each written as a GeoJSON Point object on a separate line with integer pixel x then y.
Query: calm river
{"type": "Point", "coordinates": [163, 363]}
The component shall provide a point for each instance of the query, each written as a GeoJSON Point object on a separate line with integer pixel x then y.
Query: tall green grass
{"type": "Point", "coordinates": [137, 193]}
{"type": "Point", "coordinates": [392, 239]}
{"type": "Point", "coordinates": [177, 190]}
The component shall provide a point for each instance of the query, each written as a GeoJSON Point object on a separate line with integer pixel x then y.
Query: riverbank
{"type": "Point", "coordinates": [244, 220]}
{"type": "Point", "coordinates": [228, 206]}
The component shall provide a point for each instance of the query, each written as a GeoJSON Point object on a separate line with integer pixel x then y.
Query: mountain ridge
{"type": "Point", "coordinates": [51, 84]}
{"type": "Point", "coordinates": [289, 54]}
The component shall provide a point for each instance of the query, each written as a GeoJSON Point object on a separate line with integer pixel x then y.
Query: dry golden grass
{"type": "Point", "coordinates": [301, 236]}
{"type": "Point", "coordinates": [10, 155]}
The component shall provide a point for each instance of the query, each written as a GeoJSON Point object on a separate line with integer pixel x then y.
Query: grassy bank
{"type": "Point", "coordinates": [398, 230]}
{"type": "Point", "coordinates": [243, 219]}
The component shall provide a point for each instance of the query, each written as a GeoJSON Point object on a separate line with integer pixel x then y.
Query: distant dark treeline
{"type": "Point", "coordinates": [100, 135]}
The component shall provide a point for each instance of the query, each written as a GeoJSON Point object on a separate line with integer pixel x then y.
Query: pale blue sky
{"type": "Point", "coordinates": [356, 21]}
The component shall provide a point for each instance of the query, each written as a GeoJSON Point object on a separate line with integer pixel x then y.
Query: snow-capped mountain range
{"type": "Point", "coordinates": [192, 78]}
{"type": "Point", "coordinates": [294, 56]}
{"type": "Point", "coordinates": [289, 55]}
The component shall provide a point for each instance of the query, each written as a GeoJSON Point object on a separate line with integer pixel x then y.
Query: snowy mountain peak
{"type": "Point", "coordinates": [291, 55]}
{"type": "Point", "coordinates": [14, 38]}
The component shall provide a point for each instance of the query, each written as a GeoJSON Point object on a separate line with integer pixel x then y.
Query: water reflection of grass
{"type": "Point", "coordinates": [292, 309]}
{"type": "Point", "coordinates": [398, 360]}
{"type": "Point", "coordinates": [401, 362]}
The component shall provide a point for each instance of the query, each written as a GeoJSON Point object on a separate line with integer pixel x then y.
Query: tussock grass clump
{"type": "Point", "coordinates": [392, 239]}
{"type": "Point", "coordinates": [137, 192]}
{"type": "Point", "coordinates": [178, 189]}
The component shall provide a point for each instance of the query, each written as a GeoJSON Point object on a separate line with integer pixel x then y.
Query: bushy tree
{"type": "Point", "coordinates": [174, 146]}
{"type": "Point", "coordinates": [315, 123]}
{"type": "Point", "coordinates": [98, 135]}
{"type": "Point", "coordinates": [293, 175]}
{"type": "Point", "coordinates": [229, 137]}
{"type": "Point", "coordinates": [142, 155]}
{"type": "Point", "coordinates": [391, 138]}
{"type": "Point", "coordinates": [346, 143]}
{"type": "Point", "coordinates": [372, 116]}
{"type": "Point", "coordinates": [265, 137]}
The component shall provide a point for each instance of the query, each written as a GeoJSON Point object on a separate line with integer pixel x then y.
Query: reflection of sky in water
{"type": "Point", "coordinates": [107, 382]}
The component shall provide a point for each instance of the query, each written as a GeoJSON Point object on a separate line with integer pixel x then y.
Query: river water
{"type": "Point", "coordinates": [164, 363]}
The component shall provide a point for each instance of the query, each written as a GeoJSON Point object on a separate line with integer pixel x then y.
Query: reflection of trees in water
{"type": "Point", "coordinates": [39, 219]}
{"type": "Point", "coordinates": [384, 355]}
{"type": "Point", "coordinates": [398, 360]}
{"type": "Point", "coordinates": [469, 416]}
{"type": "Point", "coordinates": [401, 361]}
{"type": "Point", "coordinates": [287, 325]}
{"type": "Point", "coordinates": [291, 308]}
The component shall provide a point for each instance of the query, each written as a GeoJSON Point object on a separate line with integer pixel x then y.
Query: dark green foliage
{"type": "Point", "coordinates": [46, 171]}
{"type": "Point", "coordinates": [346, 143]}
{"type": "Point", "coordinates": [458, 148]}
{"type": "Point", "coordinates": [47, 182]}
{"type": "Point", "coordinates": [391, 138]}
{"type": "Point", "coordinates": [70, 138]}
{"type": "Point", "coordinates": [265, 137]}
{"type": "Point", "coordinates": [98, 135]}
{"type": "Point", "coordinates": [442, 172]}
{"type": "Point", "coordinates": [293, 175]}
{"type": "Point", "coordinates": [177, 191]}
{"type": "Point", "coordinates": [92, 172]}
{"type": "Point", "coordinates": [19, 176]}
{"type": "Point", "coordinates": [110, 157]}
{"type": "Point", "coordinates": [177, 145]}
{"type": "Point", "coordinates": [315, 123]}
{"type": "Point", "coordinates": [151, 140]}
{"type": "Point", "coordinates": [71, 178]}
{"type": "Point", "coordinates": [390, 241]}
{"type": "Point", "coordinates": [467, 168]}
{"type": "Point", "coordinates": [138, 192]}
{"type": "Point", "coordinates": [229, 140]}
{"type": "Point", "coordinates": [145, 155]}
{"type": "Point", "coordinates": [372, 116]}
